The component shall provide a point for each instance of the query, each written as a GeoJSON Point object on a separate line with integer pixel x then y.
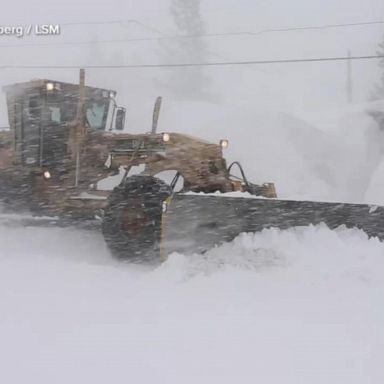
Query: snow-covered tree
{"type": "Point", "coordinates": [378, 92]}
{"type": "Point", "coordinates": [187, 83]}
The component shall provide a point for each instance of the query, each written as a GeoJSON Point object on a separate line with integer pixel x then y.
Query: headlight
{"type": "Point", "coordinates": [224, 144]}
{"type": "Point", "coordinates": [166, 137]}
{"type": "Point", "coordinates": [50, 86]}
{"type": "Point", "coordinates": [47, 175]}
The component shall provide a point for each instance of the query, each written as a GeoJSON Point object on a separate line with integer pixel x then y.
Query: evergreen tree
{"type": "Point", "coordinates": [191, 83]}
{"type": "Point", "coordinates": [378, 91]}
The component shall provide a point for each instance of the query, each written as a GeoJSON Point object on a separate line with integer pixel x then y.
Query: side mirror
{"type": "Point", "coordinates": [120, 119]}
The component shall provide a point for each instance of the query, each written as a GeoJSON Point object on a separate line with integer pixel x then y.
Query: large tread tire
{"type": "Point", "coordinates": [132, 220]}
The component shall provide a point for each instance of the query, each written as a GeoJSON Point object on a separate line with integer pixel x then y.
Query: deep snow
{"type": "Point", "coordinates": [296, 306]}
{"type": "Point", "coordinates": [299, 306]}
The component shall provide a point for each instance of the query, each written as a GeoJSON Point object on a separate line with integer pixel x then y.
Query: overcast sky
{"type": "Point", "coordinates": [301, 89]}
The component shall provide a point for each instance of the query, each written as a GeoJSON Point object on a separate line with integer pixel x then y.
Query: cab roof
{"type": "Point", "coordinates": [40, 83]}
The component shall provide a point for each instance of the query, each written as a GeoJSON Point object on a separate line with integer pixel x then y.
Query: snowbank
{"type": "Point", "coordinates": [302, 305]}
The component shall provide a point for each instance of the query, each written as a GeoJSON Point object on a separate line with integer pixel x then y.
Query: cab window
{"type": "Point", "coordinates": [95, 113]}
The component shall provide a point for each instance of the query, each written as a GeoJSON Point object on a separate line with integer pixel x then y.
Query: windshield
{"type": "Point", "coordinates": [62, 108]}
{"type": "Point", "coordinates": [96, 114]}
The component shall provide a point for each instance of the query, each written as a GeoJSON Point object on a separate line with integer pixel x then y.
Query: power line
{"type": "Point", "coordinates": [191, 36]}
{"type": "Point", "coordinates": [207, 64]}
{"type": "Point", "coordinates": [126, 21]}
{"type": "Point", "coordinates": [318, 27]}
{"type": "Point", "coordinates": [70, 43]}
{"type": "Point", "coordinates": [120, 22]}
{"type": "Point", "coordinates": [74, 43]}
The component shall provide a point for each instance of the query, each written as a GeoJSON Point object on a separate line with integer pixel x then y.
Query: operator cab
{"type": "Point", "coordinates": [41, 111]}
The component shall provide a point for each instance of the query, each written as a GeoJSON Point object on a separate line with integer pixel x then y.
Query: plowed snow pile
{"type": "Point", "coordinates": [298, 306]}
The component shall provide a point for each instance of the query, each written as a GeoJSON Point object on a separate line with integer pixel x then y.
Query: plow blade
{"type": "Point", "coordinates": [196, 223]}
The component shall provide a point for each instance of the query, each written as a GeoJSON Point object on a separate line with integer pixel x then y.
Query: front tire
{"type": "Point", "coordinates": [132, 220]}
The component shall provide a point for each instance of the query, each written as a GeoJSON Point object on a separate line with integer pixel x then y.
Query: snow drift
{"type": "Point", "coordinates": [302, 305]}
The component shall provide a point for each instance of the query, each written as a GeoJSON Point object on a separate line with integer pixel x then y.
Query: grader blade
{"type": "Point", "coordinates": [196, 223]}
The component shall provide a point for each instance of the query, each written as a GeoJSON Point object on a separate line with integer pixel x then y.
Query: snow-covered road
{"type": "Point", "coordinates": [297, 306]}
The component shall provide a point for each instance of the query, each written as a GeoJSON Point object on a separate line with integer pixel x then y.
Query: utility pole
{"type": "Point", "coordinates": [349, 78]}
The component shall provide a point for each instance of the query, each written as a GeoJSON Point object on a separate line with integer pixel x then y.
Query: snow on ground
{"type": "Point", "coordinates": [296, 306]}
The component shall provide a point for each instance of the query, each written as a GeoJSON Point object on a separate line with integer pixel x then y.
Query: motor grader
{"type": "Point", "coordinates": [65, 138]}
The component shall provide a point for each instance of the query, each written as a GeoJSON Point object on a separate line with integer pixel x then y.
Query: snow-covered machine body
{"type": "Point", "coordinates": [65, 138]}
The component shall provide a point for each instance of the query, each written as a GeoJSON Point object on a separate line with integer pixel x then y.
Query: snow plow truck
{"type": "Point", "coordinates": [65, 138]}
